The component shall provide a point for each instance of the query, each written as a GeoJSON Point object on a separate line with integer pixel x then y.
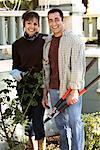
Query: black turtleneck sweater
{"type": "Point", "coordinates": [28, 54]}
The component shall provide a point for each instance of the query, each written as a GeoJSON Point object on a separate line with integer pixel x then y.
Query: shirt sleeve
{"type": "Point", "coordinates": [78, 64]}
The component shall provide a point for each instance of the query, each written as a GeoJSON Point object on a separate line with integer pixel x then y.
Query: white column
{"type": "Point", "coordinates": [19, 27]}
{"type": "Point", "coordinates": [11, 29]}
{"type": "Point", "coordinates": [2, 30]}
{"type": "Point", "coordinates": [75, 22]}
{"type": "Point", "coordinates": [45, 27]}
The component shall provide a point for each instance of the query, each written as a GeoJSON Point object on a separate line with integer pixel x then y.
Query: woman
{"type": "Point", "coordinates": [27, 56]}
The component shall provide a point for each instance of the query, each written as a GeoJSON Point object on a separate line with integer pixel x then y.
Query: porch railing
{"type": "Point", "coordinates": [11, 26]}
{"type": "Point", "coordinates": [90, 26]}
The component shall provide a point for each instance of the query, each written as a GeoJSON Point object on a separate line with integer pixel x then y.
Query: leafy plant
{"type": "Point", "coordinates": [11, 115]}
{"type": "Point", "coordinates": [30, 89]}
{"type": "Point", "coordinates": [10, 111]}
{"type": "Point", "coordinates": [92, 131]}
{"type": "Point", "coordinates": [24, 4]}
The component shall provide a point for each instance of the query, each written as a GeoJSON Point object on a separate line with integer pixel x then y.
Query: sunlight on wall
{"type": "Point", "coordinates": [94, 6]}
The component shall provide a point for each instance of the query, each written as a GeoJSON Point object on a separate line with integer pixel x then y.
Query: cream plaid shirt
{"type": "Point", "coordinates": [71, 61]}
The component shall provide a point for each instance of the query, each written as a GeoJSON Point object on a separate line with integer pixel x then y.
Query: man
{"type": "Point", "coordinates": [64, 67]}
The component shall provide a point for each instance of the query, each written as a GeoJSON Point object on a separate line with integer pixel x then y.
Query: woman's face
{"type": "Point", "coordinates": [31, 26]}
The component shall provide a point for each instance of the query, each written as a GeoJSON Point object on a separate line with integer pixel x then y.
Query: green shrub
{"type": "Point", "coordinates": [10, 111]}
{"type": "Point", "coordinates": [92, 131]}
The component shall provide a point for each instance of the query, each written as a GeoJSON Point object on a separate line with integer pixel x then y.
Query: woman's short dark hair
{"type": "Point", "coordinates": [29, 15]}
{"type": "Point", "coordinates": [54, 10]}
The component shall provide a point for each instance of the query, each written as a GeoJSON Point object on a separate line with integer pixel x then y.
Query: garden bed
{"type": "Point", "coordinates": [53, 143]}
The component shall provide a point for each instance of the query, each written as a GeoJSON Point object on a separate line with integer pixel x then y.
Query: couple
{"type": "Point", "coordinates": [63, 59]}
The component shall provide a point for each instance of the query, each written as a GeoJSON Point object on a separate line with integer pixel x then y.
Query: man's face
{"type": "Point", "coordinates": [55, 23]}
{"type": "Point", "coordinates": [31, 26]}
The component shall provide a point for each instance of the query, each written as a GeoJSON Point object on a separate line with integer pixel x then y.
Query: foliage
{"type": "Point", "coordinates": [25, 4]}
{"type": "Point", "coordinates": [11, 113]}
{"type": "Point", "coordinates": [30, 89]}
{"type": "Point", "coordinates": [92, 131]}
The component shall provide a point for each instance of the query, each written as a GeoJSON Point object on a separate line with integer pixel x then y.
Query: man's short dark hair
{"type": "Point", "coordinates": [54, 10]}
{"type": "Point", "coordinates": [29, 15]}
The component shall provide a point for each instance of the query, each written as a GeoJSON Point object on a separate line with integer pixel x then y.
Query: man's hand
{"type": "Point", "coordinates": [45, 98]}
{"type": "Point", "coordinates": [73, 97]}
{"type": "Point", "coordinates": [16, 74]}
{"type": "Point", "coordinates": [45, 102]}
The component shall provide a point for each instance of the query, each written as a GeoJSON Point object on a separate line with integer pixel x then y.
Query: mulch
{"type": "Point", "coordinates": [52, 143]}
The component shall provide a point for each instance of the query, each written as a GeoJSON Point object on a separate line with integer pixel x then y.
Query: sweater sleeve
{"type": "Point", "coordinates": [15, 57]}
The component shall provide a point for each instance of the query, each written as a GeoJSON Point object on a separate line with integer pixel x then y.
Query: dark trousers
{"type": "Point", "coordinates": [37, 126]}
{"type": "Point", "coordinates": [35, 114]}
